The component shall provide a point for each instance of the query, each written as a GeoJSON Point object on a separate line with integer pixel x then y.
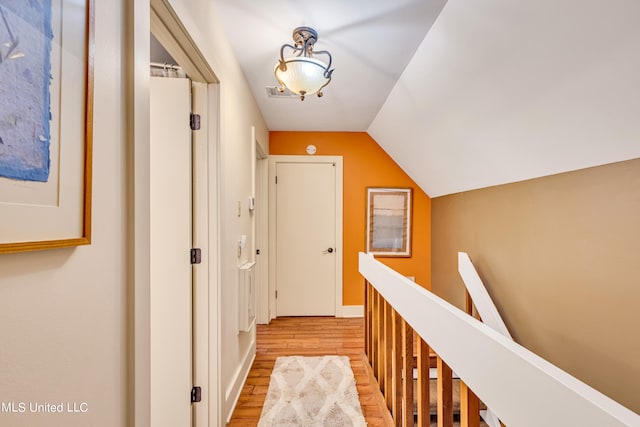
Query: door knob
{"type": "Point", "coordinates": [328, 251]}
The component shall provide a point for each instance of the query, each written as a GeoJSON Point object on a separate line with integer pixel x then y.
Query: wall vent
{"type": "Point", "coordinates": [273, 92]}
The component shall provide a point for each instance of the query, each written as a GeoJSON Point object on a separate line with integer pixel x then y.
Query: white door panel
{"type": "Point", "coordinates": [306, 253]}
{"type": "Point", "coordinates": [170, 228]}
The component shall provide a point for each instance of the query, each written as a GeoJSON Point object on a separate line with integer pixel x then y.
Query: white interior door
{"type": "Point", "coordinates": [306, 250]}
{"type": "Point", "coordinates": [170, 228]}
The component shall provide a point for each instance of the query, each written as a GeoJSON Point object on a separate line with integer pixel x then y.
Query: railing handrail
{"type": "Point", "coordinates": [520, 387]}
{"type": "Point", "coordinates": [485, 307]}
{"type": "Point", "coordinates": [481, 298]}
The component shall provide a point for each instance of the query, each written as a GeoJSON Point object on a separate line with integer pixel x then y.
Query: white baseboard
{"type": "Point", "coordinates": [352, 311]}
{"type": "Point", "coordinates": [233, 391]}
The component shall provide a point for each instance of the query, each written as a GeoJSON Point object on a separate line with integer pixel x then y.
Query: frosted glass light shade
{"type": "Point", "coordinates": [303, 75]}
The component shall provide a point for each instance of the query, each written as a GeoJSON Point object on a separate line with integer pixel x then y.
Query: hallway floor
{"type": "Point", "coordinates": [307, 336]}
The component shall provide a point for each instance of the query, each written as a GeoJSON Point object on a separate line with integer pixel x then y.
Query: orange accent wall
{"type": "Point", "coordinates": [365, 164]}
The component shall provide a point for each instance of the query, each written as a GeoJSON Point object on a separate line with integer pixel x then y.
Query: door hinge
{"type": "Point", "coordinates": [276, 179]}
{"type": "Point", "coordinates": [196, 256]}
{"type": "Point", "coordinates": [257, 251]}
{"type": "Point", "coordinates": [194, 121]}
{"type": "Point", "coordinates": [196, 394]}
{"type": "Point", "coordinates": [276, 294]}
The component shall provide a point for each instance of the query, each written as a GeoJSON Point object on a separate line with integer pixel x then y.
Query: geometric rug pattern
{"type": "Point", "coordinates": [315, 391]}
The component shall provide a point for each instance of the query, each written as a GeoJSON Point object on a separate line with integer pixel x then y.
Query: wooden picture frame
{"type": "Point", "coordinates": [389, 221]}
{"type": "Point", "coordinates": [45, 198]}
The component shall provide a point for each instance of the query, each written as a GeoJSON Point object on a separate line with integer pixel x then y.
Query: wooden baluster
{"type": "Point", "coordinates": [367, 322]}
{"type": "Point", "coordinates": [372, 300]}
{"type": "Point", "coordinates": [388, 359]}
{"type": "Point", "coordinates": [468, 302]}
{"type": "Point", "coordinates": [469, 407]}
{"type": "Point", "coordinates": [424, 403]}
{"type": "Point", "coordinates": [374, 332]}
{"type": "Point", "coordinates": [397, 369]}
{"type": "Point", "coordinates": [407, 357]}
{"type": "Point", "coordinates": [469, 402]}
{"type": "Point", "coordinates": [445, 403]}
{"type": "Point", "coordinates": [381, 343]}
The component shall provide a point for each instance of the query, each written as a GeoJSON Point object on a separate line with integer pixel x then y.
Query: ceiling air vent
{"type": "Point", "coordinates": [273, 92]}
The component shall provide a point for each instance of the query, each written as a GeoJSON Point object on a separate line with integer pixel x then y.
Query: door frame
{"type": "Point", "coordinates": [273, 162]}
{"type": "Point", "coordinates": [205, 237]}
{"type": "Point", "coordinates": [143, 18]}
{"type": "Point", "coordinates": [260, 180]}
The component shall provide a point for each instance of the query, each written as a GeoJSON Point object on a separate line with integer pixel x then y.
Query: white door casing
{"type": "Point", "coordinates": [158, 17]}
{"type": "Point", "coordinates": [261, 233]}
{"type": "Point", "coordinates": [306, 234]}
{"type": "Point", "coordinates": [200, 240]}
{"type": "Point", "coordinates": [170, 228]}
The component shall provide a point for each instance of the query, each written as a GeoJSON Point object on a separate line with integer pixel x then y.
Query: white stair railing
{"type": "Point", "coordinates": [521, 388]}
{"type": "Point", "coordinates": [486, 310]}
{"type": "Point", "coordinates": [481, 298]}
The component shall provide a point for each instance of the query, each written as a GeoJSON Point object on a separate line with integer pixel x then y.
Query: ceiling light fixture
{"type": "Point", "coordinates": [301, 72]}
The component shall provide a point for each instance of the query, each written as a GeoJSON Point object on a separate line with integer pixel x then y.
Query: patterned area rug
{"type": "Point", "coordinates": [312, 392]}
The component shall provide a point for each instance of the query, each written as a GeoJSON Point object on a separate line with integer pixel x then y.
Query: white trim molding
{"type": "Point", "coordinates": [232, 394]}
{"type": "Point", "coordinates": [353, 311]}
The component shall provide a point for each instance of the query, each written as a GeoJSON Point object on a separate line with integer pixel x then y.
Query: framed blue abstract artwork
{"type": "Point", "coordinates": [46, 97]}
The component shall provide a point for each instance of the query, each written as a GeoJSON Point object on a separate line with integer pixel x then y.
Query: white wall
{"type": "Point", "coordinates": [238, 112]}
{"type": "Point", "coordinates": [63, 312]}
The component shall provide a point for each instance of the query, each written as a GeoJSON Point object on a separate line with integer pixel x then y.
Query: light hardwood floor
{"type": "Point", "coordinates": [308, 336]}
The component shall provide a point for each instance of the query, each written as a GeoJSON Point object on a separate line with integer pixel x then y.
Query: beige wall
{"type": "Point", "coordinates": [559, 255]}
{"type": "Point", "coordinates": [63, 312]}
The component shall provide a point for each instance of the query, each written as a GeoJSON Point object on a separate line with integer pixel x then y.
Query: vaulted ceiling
{"type": "Point", "coordinates": [371, 42]}
{"type": "Point", "coordinates": [464, 96]}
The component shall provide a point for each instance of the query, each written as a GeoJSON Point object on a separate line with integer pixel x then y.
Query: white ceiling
{"type": "Point", "coordinates": [498, 91]}
{"type": "Point", "coordinates": [502, 91]}
{"type": "Point", "coordinates": [371, 42]}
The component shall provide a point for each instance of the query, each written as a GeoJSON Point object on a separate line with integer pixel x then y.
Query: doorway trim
{"type": "Point", "coordinates": [273, 162]}
{"type": "Point", "coordinates": [260, 182]}
{"type": "Point", "coordinates": [143, 18]}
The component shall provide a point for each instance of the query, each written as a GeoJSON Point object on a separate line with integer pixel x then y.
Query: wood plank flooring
{"type": "Point", "coordinates": [308, 336]}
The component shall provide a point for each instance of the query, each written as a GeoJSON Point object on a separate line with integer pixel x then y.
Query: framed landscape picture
{"type": "Point", "coordinates": [46, 113]}
{"type": "Point", "coordinates": [389, 221]}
